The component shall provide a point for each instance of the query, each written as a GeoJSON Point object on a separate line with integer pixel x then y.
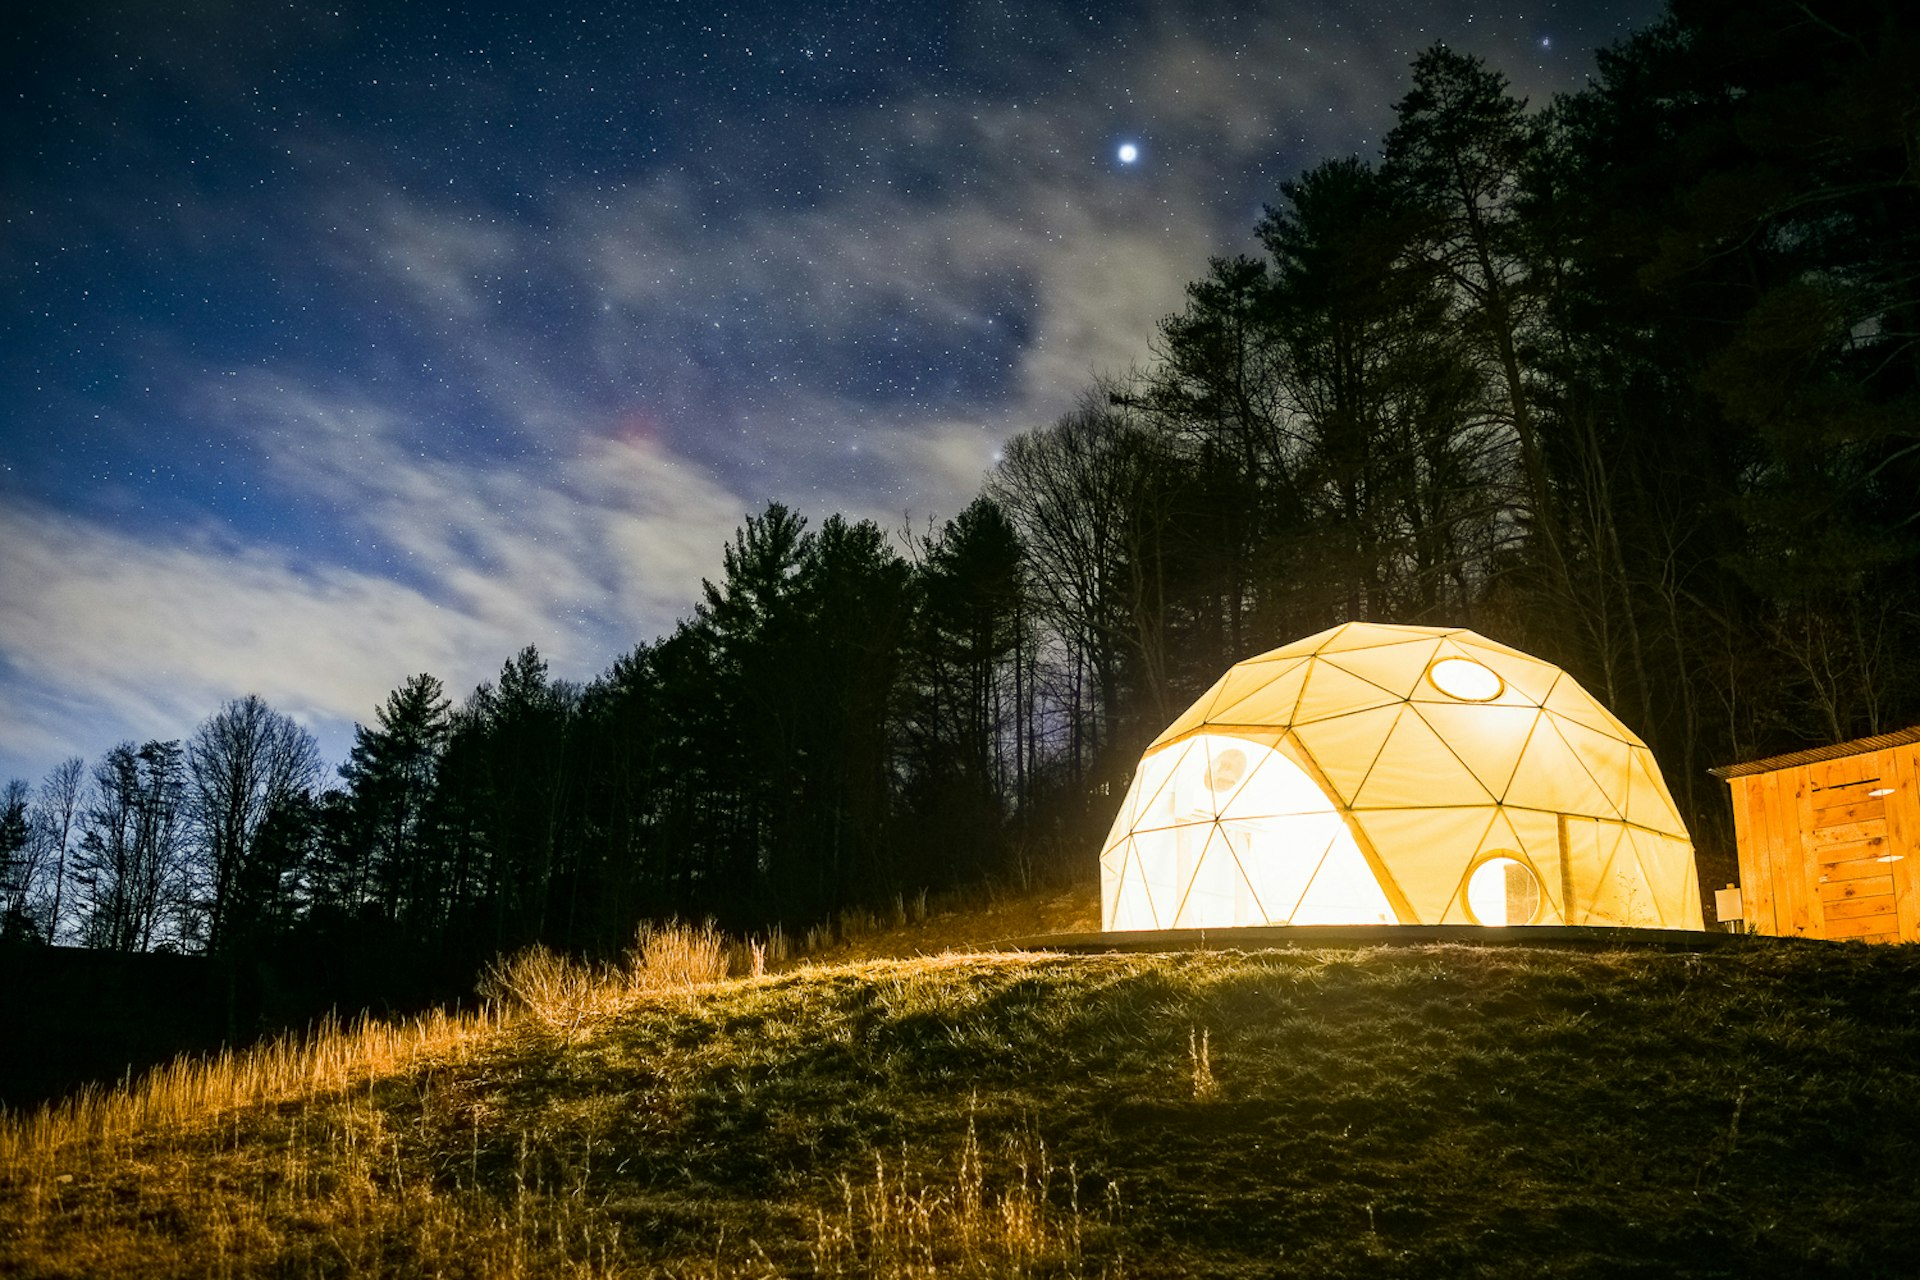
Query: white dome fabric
{"type": "Point", "coordinates": [1378, 774]}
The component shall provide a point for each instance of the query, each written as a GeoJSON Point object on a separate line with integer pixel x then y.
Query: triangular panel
{"type": "Point", "coordinates": [1332, 692]}
{"type": "Point", "coordinates": [1265, 702]}
{"type": "Point", "coordinates": [1151, 791]}
{"type": "Point", "coordinates": [1551, 777]}
{"type": "Point", "coordinates": [1344, 748]}
{"type": "Point", "coordinates": [1646, 852]}
{"type": "Point", "coordinates": [1343, 890]}
{"type": "Point", "coordinates": [1276, 786]}
{"type": "Point", "coordinates": [1368, 635]}
{"type": "Point", "coordinates": [1607, 760]}
{"type": "Point", "coordinates": [1487, 738]}
{"type": "Point", "coordinates": [1648, 804]}
{"type": "Point", "coordinates": [1426, 851]}
{"type": "Point", "coordinates": [1396, 668]}
{"type": "Point", "coordinates": [1621, 895]}
{"type": "Point", "coordinates": [1415, 768]}
{"type": "Point", "coordinates": [1225, 764]}
{"type": "Point", "coordinates": [1131, 907]}
{"type": "Point", "coordinates": [1669, 864]}
{"type": "Point", "coordinates": [1280, 858]}
{"type": "Point", "coordinates": [1569, 700]}
{"type": "Point", "coordinates": [1206, 897]}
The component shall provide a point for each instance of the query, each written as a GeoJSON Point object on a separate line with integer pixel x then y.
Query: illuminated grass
{"type": "Point", "coordinates": [1388, 1112]}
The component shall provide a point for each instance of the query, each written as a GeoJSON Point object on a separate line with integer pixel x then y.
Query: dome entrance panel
{"type": "Point", "coordinates": [1238, 834]}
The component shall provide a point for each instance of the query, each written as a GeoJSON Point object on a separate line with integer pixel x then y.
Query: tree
{"type": "Point", "coordinates": [626, 769]}
{"type": "Point", "coordinates": [62, 801]}
{"type": "Point", "coordinates": [853, 601]}
{"type": "Point", "coordinates": [738, 708]}
{"type": "Point", "coordinates": [968, 732]}
{"type": "Point", "coordinates": [390, 773]}
{"type": "Point", "coordinates": [1089, 497]}
{"type": "Point", "coordinates": [19, 865]}
{"type": "Point", "coordinates": [131, 870]}
{"type": "Point", "coordinates": [244, 762]}
{"type": "Point", "coordinates": [1393, 455]}
{"type": "Point", "coordinates": [506, 787]}
{"type": "Point", "coordinates": [273, 882]}
{"type": "Point", "coordinates": [1221, 389]}
{"type": "Point", "coordinates": [1460, 149]}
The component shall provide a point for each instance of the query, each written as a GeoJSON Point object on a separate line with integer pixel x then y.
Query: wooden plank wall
{"type": "Point", "coordinates": [1750, 840]}
{"type": "Point", "coordinates": [1821, 857]}
{"type": "Point", "coordinates": [1902, 772]}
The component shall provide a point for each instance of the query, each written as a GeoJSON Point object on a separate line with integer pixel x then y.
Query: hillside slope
{"type": "Point", "coordinates": [1421, 1111]}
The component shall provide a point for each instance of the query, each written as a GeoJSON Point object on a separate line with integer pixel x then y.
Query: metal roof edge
{"type": "Point", "coordinates": [1814, 755]}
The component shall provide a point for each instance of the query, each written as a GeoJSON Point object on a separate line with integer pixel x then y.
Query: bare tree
{"type": "Point", "coordinates": [62, 797]}
{"type": "Point", "coordinates": [1087, 497]}
{"type": "Point", "coordinates": [129, 869]}
{"type": "Point", "coordinates": [243, 761]}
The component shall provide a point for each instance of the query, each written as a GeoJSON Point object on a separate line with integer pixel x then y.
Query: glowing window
{"type": "Point", "coordinates": [1503, 891]}
{"type": "Point", "coordinates": [1226, 770]}
{"type": "Point", "coordinates": [1465, 679]}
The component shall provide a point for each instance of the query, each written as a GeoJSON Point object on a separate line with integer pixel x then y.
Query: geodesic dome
{"type": "Point", "coordinates": [1377, 774]}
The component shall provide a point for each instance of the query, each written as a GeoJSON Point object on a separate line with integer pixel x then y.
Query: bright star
{"type": "Point", "coordinates": [1128, 153]}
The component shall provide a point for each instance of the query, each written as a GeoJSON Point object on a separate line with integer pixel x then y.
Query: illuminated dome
{"type": "Point", "coordinates": [1415, 775]}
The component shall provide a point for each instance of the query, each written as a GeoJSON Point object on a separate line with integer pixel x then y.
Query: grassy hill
{"type": "Point", "coordinates": [1419, 1111]}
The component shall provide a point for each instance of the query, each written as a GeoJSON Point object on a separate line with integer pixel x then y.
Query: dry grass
{"type": "Point", "coordinates": [190, 1091]}
{"type": "Point", "coordinates": [676, 957]}
{"type": "Point", "coordinates": [562, 994]}
{"type": "Point", "coordinates": [973, 919]}
{"type": "Point", "coordinates": [367, 1150]}
{"type": "Point", "coordinates": [1200, 1053]}
{"type": "Point", "coordinates": [536, 987]}
{"type": "Point", "coordinates": [986, 1219]}
{"type": "Point", "coordinates": [1345, 1112]}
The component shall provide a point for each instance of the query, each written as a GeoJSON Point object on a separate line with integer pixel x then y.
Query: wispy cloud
{"type": "Point", "coordinates": [112, 632]}
{"type": "Point", "coordinates": [140, 637]}
{"type": "Point", "coordinates": [538, 419]}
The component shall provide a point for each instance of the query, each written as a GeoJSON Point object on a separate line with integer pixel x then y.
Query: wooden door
{"type": "Point", "coordinates": [1854, 863]}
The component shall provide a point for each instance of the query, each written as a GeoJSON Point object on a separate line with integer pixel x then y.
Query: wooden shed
{"type": "Point", "coordinates": [1830, 839]}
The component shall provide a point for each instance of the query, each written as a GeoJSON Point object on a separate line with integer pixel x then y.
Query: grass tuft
{"type": "Point", "coordinates": [677, 957]}
{"type": "Point", "coordinates": [988, 1218]}
{"type": "Point", "coordinates": [1200, 1054]}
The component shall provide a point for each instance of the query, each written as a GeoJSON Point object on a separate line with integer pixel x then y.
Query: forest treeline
{"type": "Point", "coordinates": [1631, 382]}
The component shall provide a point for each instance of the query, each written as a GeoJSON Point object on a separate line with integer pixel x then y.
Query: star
{"type": "Point", "coordinates": [1128, 153]}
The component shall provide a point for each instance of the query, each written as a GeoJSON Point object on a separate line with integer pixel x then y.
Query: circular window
{"type": "Point", "coordinates": [1503, 891]}
{"type": "Point", "coordinates": [1226, 770]}
{"type": "Point", "coordinates": [1465, 679]}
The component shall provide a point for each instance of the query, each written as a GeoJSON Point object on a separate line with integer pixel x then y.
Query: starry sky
{"type": "Point", "coordinates": [341, 342]}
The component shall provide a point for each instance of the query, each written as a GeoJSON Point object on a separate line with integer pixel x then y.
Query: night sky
{"type": "Point", "coordinates": [342, 343]}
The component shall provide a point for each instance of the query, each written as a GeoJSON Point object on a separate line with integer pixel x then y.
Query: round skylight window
{"type": "Point", "coordinates": [1465, 679]}
{"type": "Point", "coordinates": [1503, 891]}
